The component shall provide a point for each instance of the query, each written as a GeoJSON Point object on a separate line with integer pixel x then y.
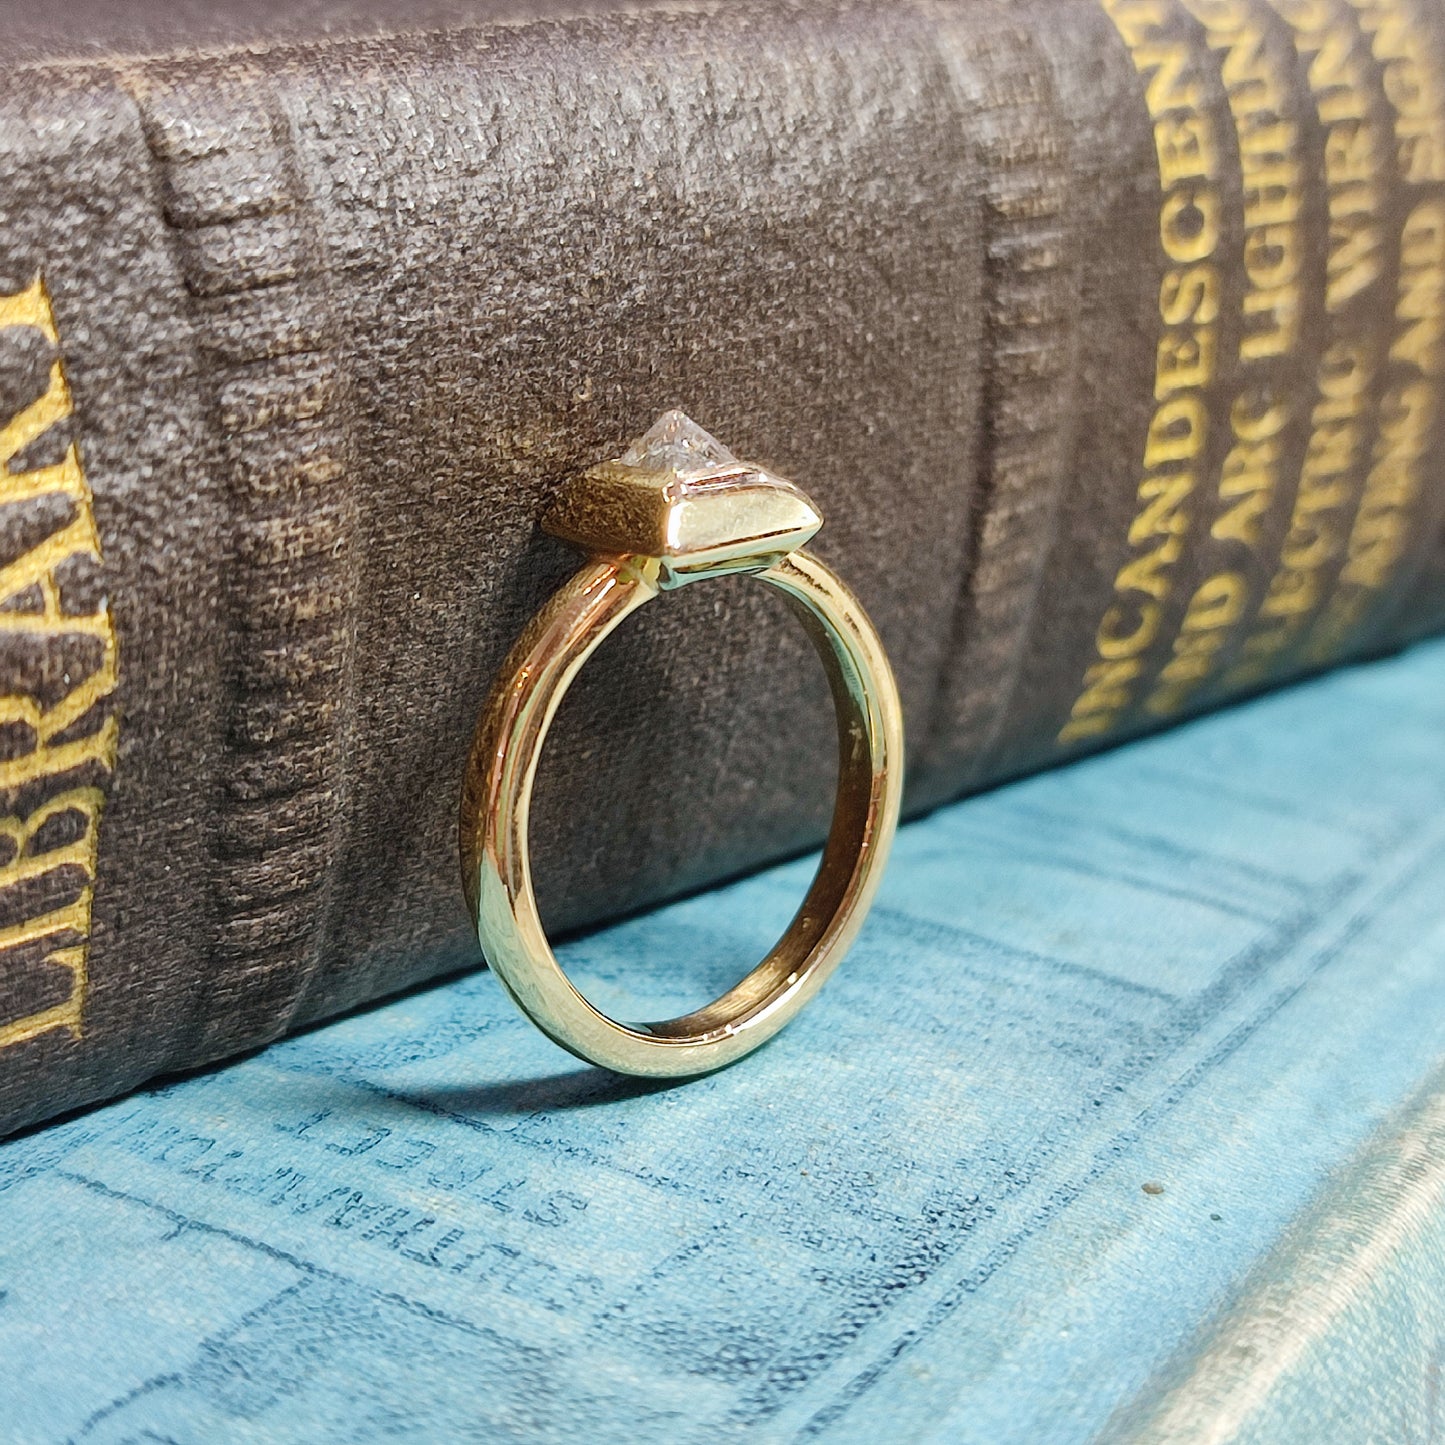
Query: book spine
{"type": "Point", "coordinates": [244, 238]}
{"type": "Point", "coordinates": [1281, 517]}
{"type": "Point", "coordinates": [1109, 345]}
{"type": "Point", "coordinates": [58, 670]}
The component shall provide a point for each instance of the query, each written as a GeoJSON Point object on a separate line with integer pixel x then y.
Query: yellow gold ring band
{"type": "Point", "coordinates": [497, 790]}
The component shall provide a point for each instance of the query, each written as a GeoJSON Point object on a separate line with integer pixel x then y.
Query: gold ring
{"type": "Point", "coordinates": [677, 507]}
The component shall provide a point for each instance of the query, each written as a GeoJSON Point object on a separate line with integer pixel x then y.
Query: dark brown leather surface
{"type": "Point", "coordinates": [42, 32]}
{"type": "Point", "coordinates": [339, 314]}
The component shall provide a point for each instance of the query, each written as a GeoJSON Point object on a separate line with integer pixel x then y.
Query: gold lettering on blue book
{"type": "Point", "coordinates": [1189, 235]}
{"type": "Point", "coordinates": [56, 749]}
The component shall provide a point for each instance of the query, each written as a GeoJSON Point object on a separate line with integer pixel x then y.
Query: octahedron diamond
{"type": "Point", "coordinates": [677, 444]}
{"type": "Point", "coordinates": [678, 495]}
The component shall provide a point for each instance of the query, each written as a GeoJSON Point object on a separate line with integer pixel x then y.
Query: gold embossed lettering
{"type": "Point", "coordinates": [1189, 237]}
{"type": "Point", "coordinates": [61, 747]}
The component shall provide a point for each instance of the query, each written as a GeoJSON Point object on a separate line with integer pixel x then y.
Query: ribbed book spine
{"type": "Point", "coordinates": [1108, 337]}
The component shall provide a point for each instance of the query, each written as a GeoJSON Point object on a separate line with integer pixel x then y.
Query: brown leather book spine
{"type": "Point", "coordinates": [1108, 342]}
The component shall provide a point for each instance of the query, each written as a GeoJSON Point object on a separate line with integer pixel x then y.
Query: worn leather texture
{"type": "Point", "coordinates": [1107, 338]}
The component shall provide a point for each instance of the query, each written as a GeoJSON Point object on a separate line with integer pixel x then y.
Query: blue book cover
{"type": "Point", "coordinates": [1123, 1121]}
